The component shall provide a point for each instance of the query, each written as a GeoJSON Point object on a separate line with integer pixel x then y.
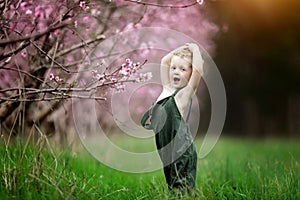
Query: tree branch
{"type": "Point", "coordinates": [34, 36]}
{"type": "Point", "coordinates": [64, 96]}
{"type": "Point", "coordinates": [77, 46]}
{"type": "Point", "coordinates": [161, 5]}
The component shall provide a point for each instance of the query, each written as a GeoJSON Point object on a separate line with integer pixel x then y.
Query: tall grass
{"type": "Point", "coordinates": [235, 169]}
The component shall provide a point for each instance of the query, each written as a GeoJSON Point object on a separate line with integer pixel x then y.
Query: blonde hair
{"type": "Point", "coordinates": [184, 53]}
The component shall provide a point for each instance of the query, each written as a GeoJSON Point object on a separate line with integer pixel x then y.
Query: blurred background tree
{"type": "Point", "coordinates": [258, 56]}
{"type": "Point", "coordinates": [45, 58]}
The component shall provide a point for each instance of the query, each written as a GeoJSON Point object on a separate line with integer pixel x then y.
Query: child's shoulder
{"type": "Point", "coordinates": [166, 92]}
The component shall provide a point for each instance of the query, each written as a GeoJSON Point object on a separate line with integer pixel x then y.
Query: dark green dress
{"type": "Point", "coordinates": [174, 142]}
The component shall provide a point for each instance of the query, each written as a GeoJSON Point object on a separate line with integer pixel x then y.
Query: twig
{"type": "Point", "coordinates": [22, 46]}
{"type": "Point", "coordinates": [23, 72]}
{"type": "Point", "coordinates": [62, 96]}
{"type": "Point", "coordinates": [77, 46]}
{"type": "Point", "coordinates": [161, 5]}
{"type": "Point", "coordinates": [52, 59]}
{"type": "Point", "coordinates": [15, 51]}
{"type": "Point", "coordinates": [34, 36]}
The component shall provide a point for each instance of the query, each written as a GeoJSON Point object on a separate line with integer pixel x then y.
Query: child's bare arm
{"type": "Point", "coordinates": [184, 96]}
{"type": "Point", "coordinates": [197, 65]}
{"type": "Point", "coordinates": [164, 69]}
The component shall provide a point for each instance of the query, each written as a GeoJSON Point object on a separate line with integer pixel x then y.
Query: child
{"type": "Point", "coordinates": [181, 71]}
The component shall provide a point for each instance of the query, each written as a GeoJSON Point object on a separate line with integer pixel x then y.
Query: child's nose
{"type": "Point", "coordinates": [176, 71]}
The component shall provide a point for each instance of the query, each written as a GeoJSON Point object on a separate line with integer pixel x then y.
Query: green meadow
{"type": "Point", "coordinates": [235, 169]}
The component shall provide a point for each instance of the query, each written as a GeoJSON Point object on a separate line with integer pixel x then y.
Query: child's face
{"type": "Point", "coordinates": [180, 72]}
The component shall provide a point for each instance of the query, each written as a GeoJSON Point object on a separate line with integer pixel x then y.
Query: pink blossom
{"type": "Point", "coordinates": [148, 76]}
{"type": "Point", "coordinates": [82, 4]}
{"type": "Point", "coordinates": [128, 60]}
{"type": "Point", "coordinates": [124, 71]}
{"type": "Point", "coordinates": [57, 78]}
{"type": "Point", "coordinates": [86, 19]}
{"type": "Point", "coordinates": [95, 12]}
{"type": "Point", "coordinates": [113, 79]}
{"type": "Point", "coordinates": [119, 87]}
{"type": "Point", "coordinates": [200, 2]}
{"type": "Point", "coordinates": [51, 76]}
{"type": "Point", "coordinates": [57, 33]}
{"type": "Point", "coordinates": [24, 54]}
{"type": "Point", "coordinates": [39, 13]}
{"type": "Point", "coordinates": [99, 76]}
{"type": "Point", "coordinates": [76, 23]}
{"type": "Point", "coordinates": [28, 12]}
{"type": "Point", "coordinates": [129, 27]}
{"type": "Point", "coordinates": [144, 77]}
{"type": "Point", "coordinates": [24, 5]}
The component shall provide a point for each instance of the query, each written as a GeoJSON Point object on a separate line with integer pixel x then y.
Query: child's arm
{"type": "Point", "coordinates": [184, 96]}
{"type": "Point", "coordinates": [197, 65]}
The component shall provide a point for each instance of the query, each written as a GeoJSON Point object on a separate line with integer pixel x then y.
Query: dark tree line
{"type": "Point", "coordinates": [258, 54]}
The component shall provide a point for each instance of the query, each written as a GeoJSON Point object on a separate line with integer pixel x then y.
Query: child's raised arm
{"type": "Point", "coordinates": [184, 96]}
{"type": "Point", "coordinates": [197, 68]}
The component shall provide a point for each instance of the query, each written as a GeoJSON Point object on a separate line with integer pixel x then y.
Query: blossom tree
{"type": "Point", "coordinates": [45, 50]}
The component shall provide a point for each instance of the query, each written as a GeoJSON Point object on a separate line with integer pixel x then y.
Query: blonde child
{"type": "Point", "coordinates": [181, 72]}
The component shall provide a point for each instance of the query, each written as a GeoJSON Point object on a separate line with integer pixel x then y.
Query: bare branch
{"type": "Point", "coordinates": [161, 5]}
{"type": "Point", "coordinates": [77, 46]}
{"type": "Point", "coordinates": [65, 96]}
{"type": "Point", "coordinates": [23, 72]}
{"type": "Point", "coordinates": [48, 56]}
{"type": "Point", "coordinates": [42, 115]}
{"type": "Point", "coordinates": [15, 51]}
{"type": "Point", "coordinates": [34, 36]}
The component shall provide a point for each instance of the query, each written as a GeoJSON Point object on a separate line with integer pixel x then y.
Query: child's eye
{"type": "Point", "coordinates": [173, 67]}
{"type": "Point", "coordinates": [183, 69]}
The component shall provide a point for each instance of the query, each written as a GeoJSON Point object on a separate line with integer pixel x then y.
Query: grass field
{"type": "Point", "coordinates": [235, 169]}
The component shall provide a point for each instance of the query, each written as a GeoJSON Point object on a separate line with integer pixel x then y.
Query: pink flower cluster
{"type": "Point", "coordinates": [37, 15]}
{"type": "Point", "coordinates": [116, 81]}
{"type": "Point", "coordinates": [56, 78]}
{"type": "Point", "coordinates": [129, 67]}
{"type": "Point", "coordinates": [144, 77]}
{"type": "Point", "coordinates": [102, 78]}
{"type": "Point", "coordinates": [96, 75]}
{"type": "Point", "coordinates": [120, 87]}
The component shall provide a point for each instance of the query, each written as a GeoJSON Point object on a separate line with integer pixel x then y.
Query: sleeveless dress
{"type": "Point", "coordinates": [174, 143]}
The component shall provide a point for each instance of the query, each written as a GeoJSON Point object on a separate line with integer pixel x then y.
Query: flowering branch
{"type": "Point", "coordinates": [115, 80]}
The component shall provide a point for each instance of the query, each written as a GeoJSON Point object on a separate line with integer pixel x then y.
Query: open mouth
{"type": "Point", "coordinates": [176, 80]}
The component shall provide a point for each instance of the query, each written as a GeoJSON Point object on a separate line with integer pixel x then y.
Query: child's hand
{"type": "Point", "coordinates": [183, 47]}
{"type": "Point", "coordinates": [191, 46]}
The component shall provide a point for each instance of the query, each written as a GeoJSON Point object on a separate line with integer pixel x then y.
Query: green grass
{"type": "Point", "coordinates": [235, 169]}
